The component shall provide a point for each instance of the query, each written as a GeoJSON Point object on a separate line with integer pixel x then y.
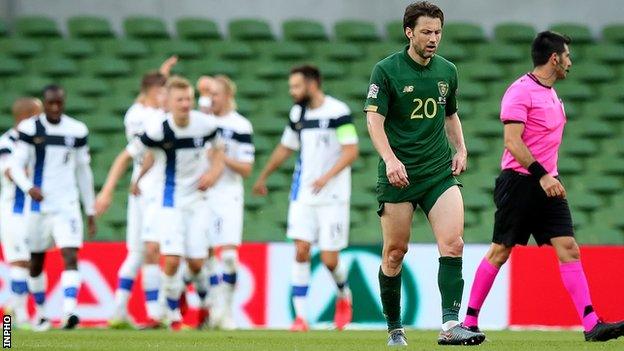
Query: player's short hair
{"type": "Point", "coordinates": [309, 72]}
{"type": "Point", "coordinates": [51, 87]}
{"type": "Point", "coordinates": [25, 106]}
{"type": "Point", "coordinates": [545, 44]}
{"type": "Point", "coordinates": [152, 79]}
{"type": "Point", "coordinates": [419, 9]}
{"type": "Point", "coordinates": [229, 86]}
{"type": "Point", "coordinates": [177, 82]}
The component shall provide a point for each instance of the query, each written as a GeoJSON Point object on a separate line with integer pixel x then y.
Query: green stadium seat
{"type": "Point", "coordinates": [10, 66]}
{"type": "Point", "coordinates": [213, 67]}
{"type": "Point", "coordinates": [106, 67]}
{"type": "Point", "coordinates": [124, 48]}
{"type": "Point", "coordinates": [86, 86]}
{"type": "Point", "coordinates": [463, 32]}
{"type": "Point", "coordinates": [453, 52]}
{"type": "Point", "coordinates": [395, 32]}
{"type": "Point", "coordinates": [516, 70]}
{"type": "Point", "coordinates": [104, 123]}
{"type": "Point", "coordinates": [591, 129]}
{"type": "Point", "coordinates": [609, 165]}
{"type": "Point", "coordinates": [75, 105]}
{"type": "Point", "coordinates": [250, 29]}
{"type": "Point", "coordinates": [613, 33]}
{"type": "Point", "coordinates": [377, 51]}
{"type": "Point", "coordinates": [230, 50]}
{"type": "Point", "coordinates": [31, 85]}
{"type": "Point", "coordinates": [356, 31]}
{"type": "Point", "coordinates": [472, 91]}
{"type": "Point", "coordinates": [263, 144]}
{"type": "Point", "coordinates": [152, 63]}
{"type": "Point", "coordinates": [484, 72]}
{"type": "Point", "coordinates": [253, 88]}
{"type": "Point", "coordinates": [570, 166]}
{"type": "Point", "coordinates": [270, 125]}
{"type": "Point", "coordinates": [579, 33]}
{"type": "Point", "coordinates": [20, 47]}
{"type": "Point", "coordinates": [611, 54]}
{"type": "Point", "coordinates": [515, 33]}
{"type": "Point", "coordinates": [7, 98]}
{"type": "Point", "coordinates": [592, 72]}
{"type": "Point", "coordinates": [72, 48]}
{"type": "Point", "coordinates": [128, 86]}
{"type": "Point", "coordinates": [348, 89]}
{"type": "Point", "coordinates": [268, 70]}
{"type": "Point", "coordinates": [184, 49]}
{"type": "Point", "coordinates": [36, 27]}
{"type": "Point", "coordinates": [198, 28]}
{"type": "Point", "coordinates": [611, 92]}
{"type": "Point", "coordinates": [331, 70]}
{"type": "Point", "coordinates": [610, 216]}
{"type": "Point", "coordinates": [3, 28]}
{"type": "Point", "coordinates": [247, 107]}
{"type": "Point", "coordinates": [602, 185]}
{"type": "Point", "coordinates": [584, 201]}
{"type": "Point", "coordinates": [340, 52]}
{"type": "Point", "coordinates": [144, 27]}
{"type": "Point", "coordinates": [117, 104]}
{"type": "Point", "coordinates": [54, 66]}
{"type": "Point", "coordinates": [477, 147]}
{"type": "Point", "coordinates": [278, 105]}
{"type": "Point", "coordinates": [89, 27]}
{"type": "Point", "coordinates": [283, 51]}
{"type": "Point", "coordinates": [600, 235]}
{"type": "Point", "coordinates": [573, 90]}
{"type": "Point", "coordinates": [361, 70]}
{"type": "Point", "coordinates": [579, 147]}
{"type": "Point", "coordinates": [303, 30]}
{"type": "Point", "coordinates": [98, 143]}
{"type": "Point", "coordinates": [502, 53]}
{"type": "Point", "coordinates": [363, 201]}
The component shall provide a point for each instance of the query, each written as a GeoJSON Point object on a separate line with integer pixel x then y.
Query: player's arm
{"type": "Point", "coordinates": [455, 135]}
{"type": "Point", "coordinates": [242, 163]}
{"type": "Point", "coordinates": [117, 170]}
{"type": "Point", "coordinates": [347, 137]}
{"type": "Point", "coordinates": [17, 166]}
{"type": "Point", "coordinates": [522, 154]}
{"type": "Point", "coordinates": [84, 179]}
{"type": "Point", "coordinates": [240, 167]}
{"type": "Point", "coordinates": [167, 66]}
{"type": "Point", "coordinates": [146, 165]}
{"type": "Point", "coordinates": [216, 155]}
{"type": "Point", "coordinates": [395, 170]}
{"type": "Point", "coordinates": [281, 153]}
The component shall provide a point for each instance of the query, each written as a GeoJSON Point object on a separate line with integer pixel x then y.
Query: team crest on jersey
{"type": "Point", "coordinates": [39, 140]}
{"type": "Point", "coordinates": [168, 145]}
{"type": "Point", "coordinates": [323, 123]}
{"type": "Point", "coordinates": [373, 90]}
{"type": "Point", "coordinates": [443, 88]}
{"type": "Point", "coordinates": [199, 141]}
{"type": "Point", "coordinates": [70, 141]}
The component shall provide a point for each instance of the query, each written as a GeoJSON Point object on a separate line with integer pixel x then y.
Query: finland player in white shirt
{"type": "Point", "coordinates": [226, 198]}
{"type": "Point", "coordinates": [182, 146]}
{"type": "Point", "coordinates": [141, 243]}
{"type": "Point", "coordinates": [13, 208]}
{"type": "Point", "coordinates": [54, 148]}
{"type": "Point", "coordinates": [322, 131]}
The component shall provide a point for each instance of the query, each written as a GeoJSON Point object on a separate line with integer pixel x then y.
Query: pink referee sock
{"type": "Point", "coordinates": [575, 282]}
{"type": "Point", "coordinates": [484, 278]}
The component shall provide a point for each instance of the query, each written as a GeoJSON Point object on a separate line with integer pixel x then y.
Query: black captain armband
{"type": "Point", "coordinates": [537, 170]}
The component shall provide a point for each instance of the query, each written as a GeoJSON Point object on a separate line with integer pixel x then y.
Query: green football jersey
{"type": "Point", "coordinates": [415, 99]}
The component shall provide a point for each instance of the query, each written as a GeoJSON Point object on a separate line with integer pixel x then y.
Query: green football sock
{"type": "Point", "coordinates": [390, 288]}
{"type": "Point", "coordinates": [451, 287]}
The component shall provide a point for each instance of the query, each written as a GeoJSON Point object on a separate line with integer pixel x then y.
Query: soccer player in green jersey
{"type": "Point", "coordinates": [412, 116]}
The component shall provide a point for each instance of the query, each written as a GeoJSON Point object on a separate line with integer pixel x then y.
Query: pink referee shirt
{"type": "Point", "coordinates": [539, 108]}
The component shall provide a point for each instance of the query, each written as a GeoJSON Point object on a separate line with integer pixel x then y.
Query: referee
{"type": "Point", "coordinates": [529, 196]}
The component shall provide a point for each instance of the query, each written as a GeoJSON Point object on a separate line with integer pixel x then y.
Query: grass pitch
{"type": "Point", "coordinates": [90, 339]}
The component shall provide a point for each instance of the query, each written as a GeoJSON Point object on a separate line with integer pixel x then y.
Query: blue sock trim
{"type": "Point", "coordinates": [39, 297]}
{"type": "Point", "coordinates": [229, 278]}
{"type": "Point", "coordinates": [300, 290]}
{"type": "Point", "coordinates": [71, 292]}
{"type": "Point", "coordinates": [173, 303]}
{"type": "Point", "coordinates": [126, 284]}
{"type": "Point", "coordinates": [214, 280]}
{"type": "Point", "coordinates": [151, 295]}
{"type": "Point", "coordinates": [19, 287]}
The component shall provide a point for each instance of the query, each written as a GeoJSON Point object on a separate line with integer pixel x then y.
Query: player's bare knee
{"type": "Point", "coordinates": [452, 247]}
{"type": "Point", "coordinates": [195, 265]}
{"type": "Point", "coordinates": [36, 264]}
{"type": "Point", "coordinates": [171, 265]}
{"type": "Point", "coordinates": [330, 260]}
{"type": "Point", "coordinates": [395, 255]}
{"type": "Point", "coordinates": [302, 251]}
{"type": "Point", "coordinates": [70, 258]}
{"type": "Point", "coordinates": [498, 255]}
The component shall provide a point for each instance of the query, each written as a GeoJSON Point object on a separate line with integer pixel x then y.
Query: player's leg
{"type": "Point", "coordinates": [131, 264]}
{"type": "Point", "coordinates": [196, 251]}
{"type": "Point", "coordinates": [302, 228]}
{"type": "Point", "coordinates": [333, 237]}
{"type": "Point", "coordinates": [38, 243]}
{"type": "Point", "coordinates": [17, 253]}
{"type": "Point", "coordinates": [484, 278]}
{"type": "Point", "coordinates": [67, 234]}
{"type": "Point", "coordinates": [446, 217]}
{"type": "Point", "coordinates": [396, 223]}
{"type": "Point", "coordinates": [151, 275]}
{"type": "Point", "coordinates": [172, 234]}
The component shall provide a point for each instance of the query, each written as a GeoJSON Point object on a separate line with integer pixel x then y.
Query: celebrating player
{"type": "Point", "coordinates": [142, 247]}
{"type": "Point", "coordinates": [226, 197]}
{"type": "Point", "coordinates": [322, 130]}
{"type": "Point", "coordinates": [182, 175]}
{"type": "Point", "coordinates": [54, 148]}
{"type": "Point", "coordinates": [529, 196]}
{"type": "Point", "coordinates": [13, 206]}
{"type": "Point", "coordinates": [411, 109]}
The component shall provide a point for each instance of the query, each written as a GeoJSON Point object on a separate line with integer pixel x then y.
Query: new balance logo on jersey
{"type": "Point", "coordinates": [408, 88]}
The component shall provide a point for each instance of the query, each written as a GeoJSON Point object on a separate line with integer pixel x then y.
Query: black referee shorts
{"type": "Point", "coordinates": [522, 209]}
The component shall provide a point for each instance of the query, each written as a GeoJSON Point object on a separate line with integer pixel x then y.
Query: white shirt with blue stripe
{"type": "Point", "coordinates": [10, 195]}
{"type": "Point", "coordinates": [58, 162]}
{"type": "Point", "coordinates": [180, 156]}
